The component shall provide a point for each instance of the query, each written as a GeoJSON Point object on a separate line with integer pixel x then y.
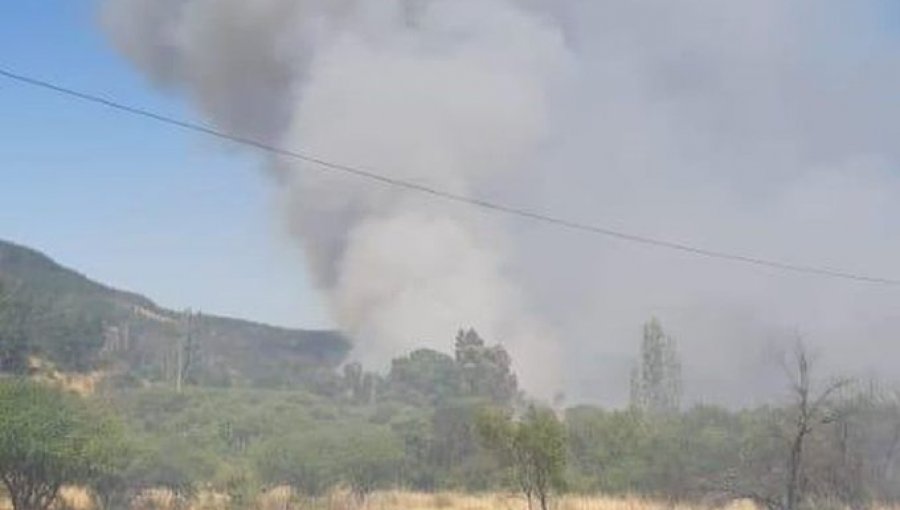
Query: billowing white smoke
{"type": "Point", "coordinates": [450, 93]}
{"type": "Point", "coordinates": [766, 127]}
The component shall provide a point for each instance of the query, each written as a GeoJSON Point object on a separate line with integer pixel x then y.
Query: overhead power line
{"type": "Point", "coordinates": [509, 210]}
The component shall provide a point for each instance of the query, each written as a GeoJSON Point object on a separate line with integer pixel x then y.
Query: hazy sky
{"type": "Point", "coordinates": [131, 203]}
{"type": "Point", "coordinates": [761, 127]}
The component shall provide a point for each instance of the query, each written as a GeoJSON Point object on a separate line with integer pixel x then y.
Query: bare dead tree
{"type": "Point", "coordinates": [782, 484]}
{"type": "Point", "coordinates": [811, 411]}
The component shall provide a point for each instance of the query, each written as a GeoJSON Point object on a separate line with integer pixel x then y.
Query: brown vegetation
{"type": "Point", "coordinates": [73, 498]}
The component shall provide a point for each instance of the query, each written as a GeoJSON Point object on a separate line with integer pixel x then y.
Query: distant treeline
{"type": "Point", "coordinates": [436, 421]}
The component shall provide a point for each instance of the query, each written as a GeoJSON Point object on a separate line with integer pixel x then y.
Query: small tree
{"type": "Point", "coordinates": [239, 481]}
{"type": "Point", "coordinates": [174, 463]}
{"type": "Point", "coordinates": [48, 439]}
{"type": "Point", "coordinates": [370, 459]}
{"type": "Point", "coordinates": [533, 446]}
{"type": "Point", "coordinates": [364, 457]}
{"type": "Point", "coordinates": [305, 462]}
{"type": "Point", "coordinates": [113, 484]}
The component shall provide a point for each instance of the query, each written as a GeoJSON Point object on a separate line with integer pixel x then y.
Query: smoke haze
{"type": "Point", "coordinates": [766, 128]}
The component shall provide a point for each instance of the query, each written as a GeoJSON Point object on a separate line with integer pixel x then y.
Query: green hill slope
{"type": "Point", "coordinates": [60, 315]}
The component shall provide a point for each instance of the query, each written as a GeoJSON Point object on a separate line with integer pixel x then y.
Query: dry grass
{"type": "Point", "coordinates": [81, 384]}
{"type": "Point", "coordinates": [283, 499]}
{"type": "Point", "coordinates": [454, 501]}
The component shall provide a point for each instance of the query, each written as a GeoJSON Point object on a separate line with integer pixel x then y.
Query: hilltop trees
{"type": "Point", "coordinates": [78, 338]}
{"type": "Point", "coordinates": [13, 337]}
{"type": "Point", "coordinates": [656, 381]}
{"type": "Point", "coordinates": [32, 327]}
{"type": "Point", "coordinates": [48, 439]}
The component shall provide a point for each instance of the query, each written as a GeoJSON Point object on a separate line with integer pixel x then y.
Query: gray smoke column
{"type": "Point", "coordinates": [767, 128]}
{"type": "Point", "coordinates": [451, 93]}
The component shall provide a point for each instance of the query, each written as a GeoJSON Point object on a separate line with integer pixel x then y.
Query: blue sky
{"type": "Point", "coordinates": [131, 203]}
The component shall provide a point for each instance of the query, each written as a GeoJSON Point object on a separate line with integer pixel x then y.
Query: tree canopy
{"type": "Point", "coordinates": [534, 447]}
{"type": "Point", "coordinates": [47, 439]}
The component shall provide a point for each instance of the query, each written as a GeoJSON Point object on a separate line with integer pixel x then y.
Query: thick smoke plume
{"type": "Point", "coordinates": [767, 128]}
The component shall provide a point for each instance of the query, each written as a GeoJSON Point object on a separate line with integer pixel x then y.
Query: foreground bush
{"type": "Point", "coordinates": [49, 438]}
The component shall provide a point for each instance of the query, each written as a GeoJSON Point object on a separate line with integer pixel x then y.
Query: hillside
{"type": "Point", "coordinates": [80, 324]}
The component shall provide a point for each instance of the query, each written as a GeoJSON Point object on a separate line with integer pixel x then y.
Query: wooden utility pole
{"type": "Point", "coordinates": [184, 349]}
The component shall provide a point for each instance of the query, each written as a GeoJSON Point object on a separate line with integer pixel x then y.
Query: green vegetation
{"type": "Point", "coordinates": [204, 403]}
{"type": "Point", "coordinates": [362, 456]}
{"type": "Point", "coordinates": [532, 447]}
{"type": "Point", "coordinates": [48, 439]}
{"type": "Point", "coordinates": [76, 324]}
{"type": "Point", "coordinates": [13, 337]}
{"type": "Point", "coordinates": [442, 434]}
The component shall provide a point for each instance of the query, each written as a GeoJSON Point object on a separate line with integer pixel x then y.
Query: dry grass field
{"type": "Point", "coordinates": [452, 501]}
{"type": "Point", "coordinates": [281, 499]}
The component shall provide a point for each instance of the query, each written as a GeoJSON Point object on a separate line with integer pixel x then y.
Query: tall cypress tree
{"type": "Point", "coordinates": [656, 381]}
